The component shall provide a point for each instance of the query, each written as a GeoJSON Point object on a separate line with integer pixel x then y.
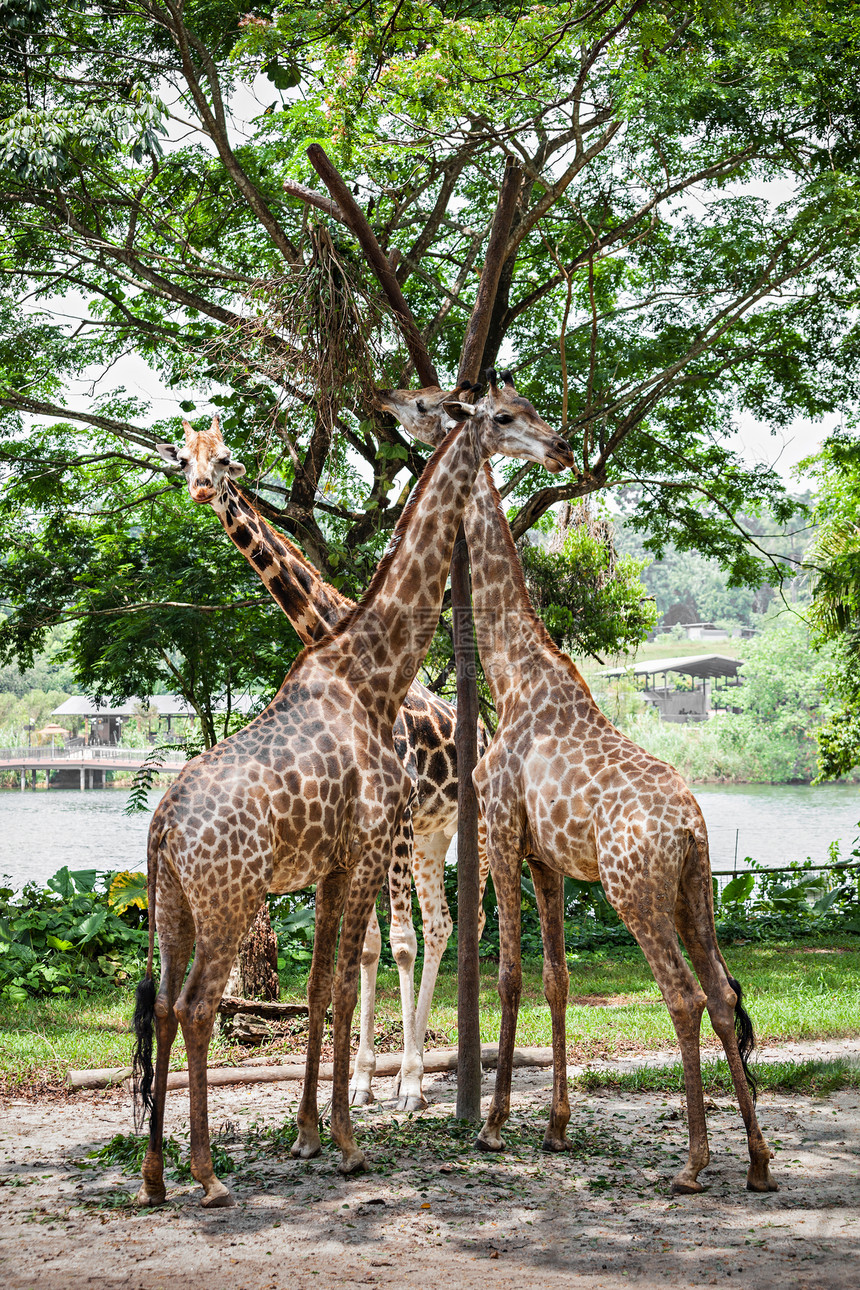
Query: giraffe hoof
{"type": "Point", "coordinates": [353, 1163]}
{"type": "Point", "coordinates": [217, 1197]}
{"type": "Point", "coordinates": [760, 1179]}
{"type": "Point", "coordinates": [147, 1197]}
{"type": "Point", "coordinates": [489, 1144]}
{"type": "Point", "coordinates": [305, 1149]}
{"type": "Point", "coordinates": [361, 1097]}
{"type": "Point", "coordinates": [686, 1186]}
{"type": "Point", "coordinates": [412, 1102]}
{"type": "Point", "coordinates": [556, 1144]}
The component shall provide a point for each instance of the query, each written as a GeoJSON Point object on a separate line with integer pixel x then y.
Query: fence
{"type": "Point", "coordinates": [87, 753]}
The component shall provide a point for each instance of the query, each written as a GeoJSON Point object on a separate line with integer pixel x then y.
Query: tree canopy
{"type": "Point", "coordinates": [833, 562]}
{"type": "Point", "coordinates": [683, 251]}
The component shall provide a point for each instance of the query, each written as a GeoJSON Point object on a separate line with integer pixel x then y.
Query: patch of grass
{"type": "Point", "coordinates": [44, 1038]}
{"type": "Point", "coordinates": [127, 1151]}
{"type": "Point", "coordinates": [797, 991]}
{"type": "Point", "coordinates": [814, 1078]}
{"type": "Point", "coordinates": [793, 992]}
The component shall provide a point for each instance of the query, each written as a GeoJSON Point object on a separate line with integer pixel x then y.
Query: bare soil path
{"type": "Point", "coordinates": [434, 1212]}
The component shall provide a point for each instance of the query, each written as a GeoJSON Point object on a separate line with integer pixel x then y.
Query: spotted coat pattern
{"type": "Point", "coordinates": [561, 788]}
{"type": "Point", "coordinates": [423, 739]}
{"type": "Point", "coordinates": [310, 791]}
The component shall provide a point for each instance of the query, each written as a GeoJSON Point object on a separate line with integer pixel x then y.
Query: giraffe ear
{"type": "Point", "coordinates": [457, 410]}
{"type": "Point", "coordinates": [236, 470]}
{"type": "Point", "coordinates": [169, 453]}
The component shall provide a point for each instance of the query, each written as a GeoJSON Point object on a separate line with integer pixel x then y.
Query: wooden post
{"type": "Point", "coordinates": [468, 881]}
{"type": "Point", "coordinates": [468, 865]}
{"type": "Point", "coordinates": [468, 875]}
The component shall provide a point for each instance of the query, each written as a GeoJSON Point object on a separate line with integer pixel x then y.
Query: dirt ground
{"type": "Point", "coordinates": [434, 1212]}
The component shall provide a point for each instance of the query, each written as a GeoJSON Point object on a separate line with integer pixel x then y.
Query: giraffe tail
{"type": "Point", "coordinates": [745, 1036]}
{"type": "Point", "coordinates": [144, 1004]}
{"type": "Point", "coordinates": [744, 1032]}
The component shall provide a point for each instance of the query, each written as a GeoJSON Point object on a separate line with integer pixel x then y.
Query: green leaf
{"type": "Point", "coordinates": [284, 76]}
{"type": "Point", "coordinates": [91, 925]}
{"type": "Point", "coordinates": [57, 944]}
{"type": "Point", "coordinates": [737, 891]}
{"type": "Point", "coordinates": [63, 883]}
{"type": "Point", "coordinates": [84, 879]}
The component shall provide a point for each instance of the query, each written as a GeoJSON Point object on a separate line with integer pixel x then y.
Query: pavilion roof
{"type": "Point", "coordinates": [707, 665]}
{"type": "Point", "coordinates": [168, 705]}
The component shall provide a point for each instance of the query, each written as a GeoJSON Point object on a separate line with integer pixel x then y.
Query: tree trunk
{"type": "Point", "coordinates": [255, 972]}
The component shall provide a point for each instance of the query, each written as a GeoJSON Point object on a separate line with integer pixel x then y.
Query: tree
{"type": "Point", "coordinates": [153, 596]}
{"type": "Point", "coordinates": [649, 290]}
{"type": "Point", "coordinates": [781, 703]}
{"type": "Point", "coordinates": [590, 598]}
{"type": "Point", "coordinates": [834, 564]}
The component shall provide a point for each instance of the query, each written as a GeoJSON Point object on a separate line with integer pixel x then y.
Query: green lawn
{"type": "Point", "coordinates": [793, 992]}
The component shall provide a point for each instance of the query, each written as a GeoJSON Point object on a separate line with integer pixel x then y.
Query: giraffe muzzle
{"type": "Point", "coordinates": [559, 457]}
{"type": "Point", "coordinates": [202, 493]}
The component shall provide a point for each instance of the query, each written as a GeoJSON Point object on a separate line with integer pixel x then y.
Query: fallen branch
{"type": "Point", "coordinates": [230, 1005]}
{"type": "Point", "coordinates": [435, 1060]}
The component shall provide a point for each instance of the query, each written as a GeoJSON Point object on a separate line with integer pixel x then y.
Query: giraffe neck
{"type": "Point", "coordinates": [312, 606]}
{"type": "Point", "coordinates": [383, 643]}
{"type": "Point", "coordinates": [514, 645]}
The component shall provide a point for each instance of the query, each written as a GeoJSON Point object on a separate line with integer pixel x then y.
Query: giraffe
{"type": "Point", "coordinates": [423, 739]}
{"type": "Point", "coordinates": [310, 791]}
{"type": "Point", "coordinates": [561, 788]}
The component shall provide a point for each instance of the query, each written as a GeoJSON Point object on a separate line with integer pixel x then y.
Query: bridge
{"type": "Point", "coordinates": [91, 761]}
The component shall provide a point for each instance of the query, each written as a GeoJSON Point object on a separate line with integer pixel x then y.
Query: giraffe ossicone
{"type": "Point", "coordinates": [563, 790]}
{"type": "Point", "coordinates": [310, 791]}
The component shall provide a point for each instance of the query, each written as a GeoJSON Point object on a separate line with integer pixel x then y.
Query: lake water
{"type": "Point", "coordinates": [775, 824]}
{"type": "Point", "coordinates": [43, 830]}
{"type": "Point", "coordinates": [778, 823]}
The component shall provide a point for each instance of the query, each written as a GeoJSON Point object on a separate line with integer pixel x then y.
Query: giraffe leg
{"type": "Point", "coordinates": [506, 867]}
{"type": "Point", "coordinates": [196, 1008]}
{"type": "Point", "coordinates": [360, 1088]}
{"type": "Point", "coordinates": [330, 897]}
{"type": "Point", "coordinates": [549, 890]}
{"type": "Point", "coordinates": [404, 947]}
{"type": "Point", "coordinates": [175, 942]}
{"type": "Point", "coordinates": [363, 891]}
{"type": "Point", "coordinates": [436, 920]}
{"type": "Point", "coordinates": [695, 923]}
{"type": "Point", "coordinates": [685, 1000]}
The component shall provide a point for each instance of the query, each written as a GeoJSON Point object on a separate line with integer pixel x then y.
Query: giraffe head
{"type": "Point", "coordinates": [205, 460]}
{"type": "Point", "coordinates": [509, 423]}
{"type": "Point", "coordinates": [421, 412]}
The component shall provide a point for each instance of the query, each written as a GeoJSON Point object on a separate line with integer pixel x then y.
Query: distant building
{"type": "Point", "coordinates": [103, 722]}
{"type": "Point", "coordinates": [705, 631]}
{"type": "Point", "coordinates": [706, 671]}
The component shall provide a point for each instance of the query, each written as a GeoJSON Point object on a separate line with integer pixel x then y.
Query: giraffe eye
{"type": "Point", "coordinates": [421, 406]}
{"type": "Point", "coordinates": [503, 418]}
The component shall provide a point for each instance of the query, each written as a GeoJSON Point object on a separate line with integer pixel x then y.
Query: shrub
{"type": "Point", "coordinates": [80, 931]}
